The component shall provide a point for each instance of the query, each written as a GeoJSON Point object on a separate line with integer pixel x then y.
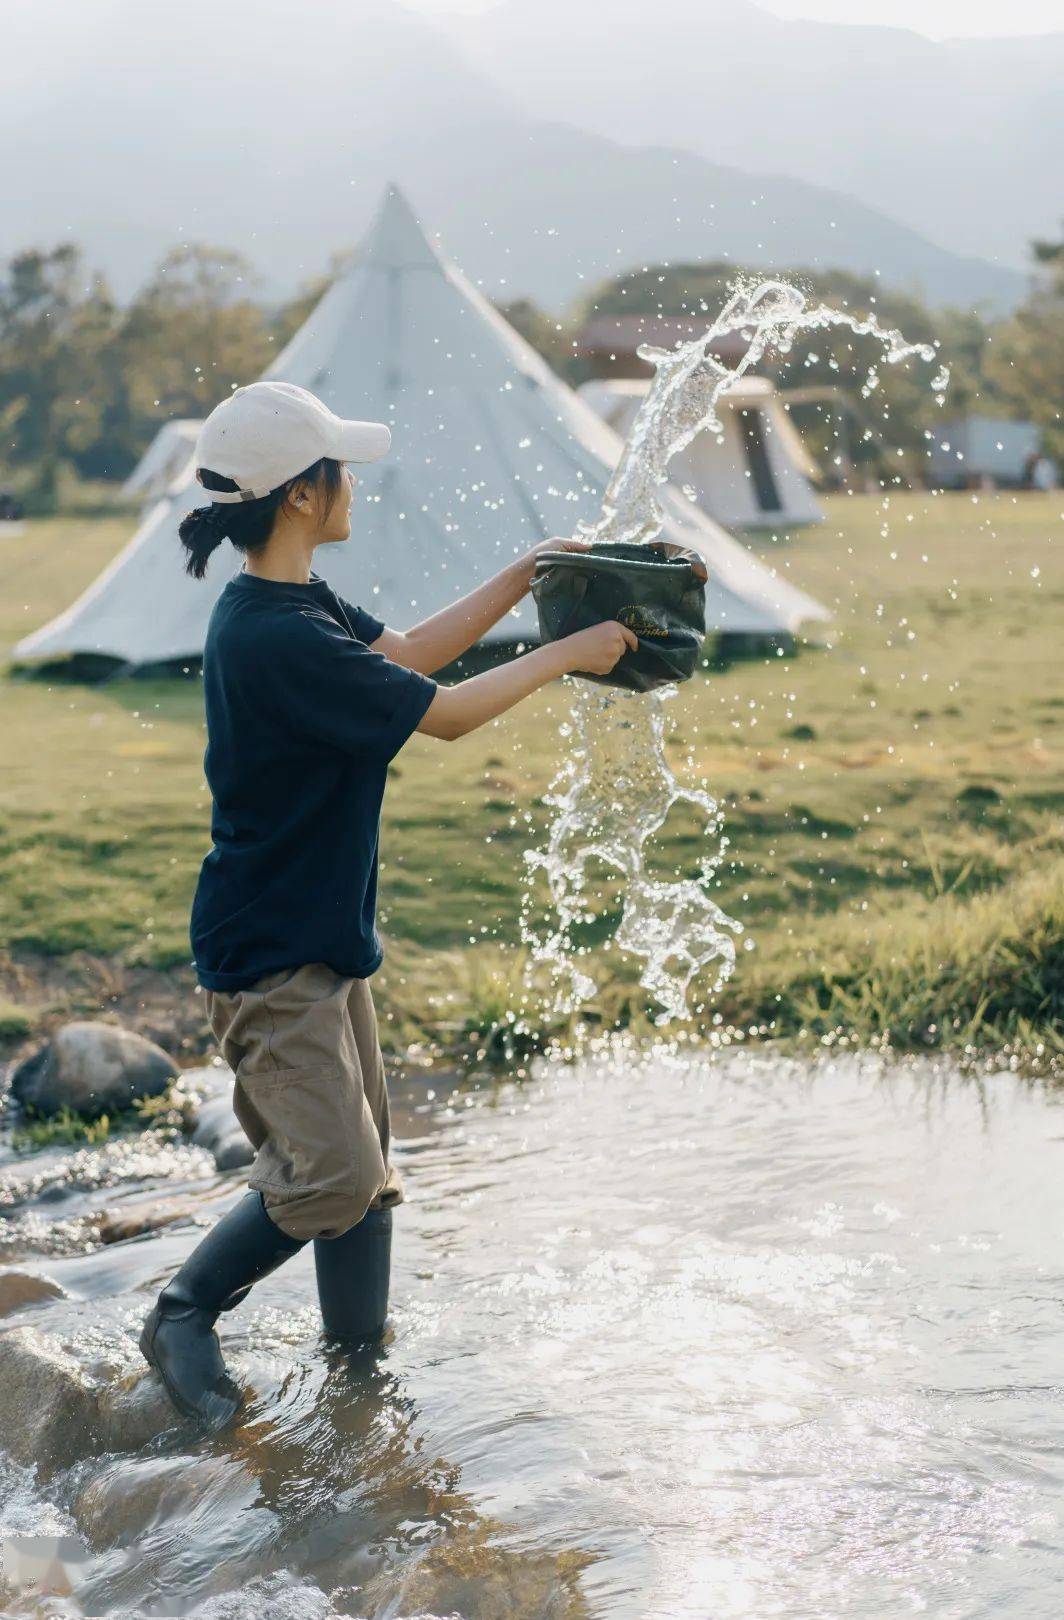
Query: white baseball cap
{"type": "Point", "coordinates": [266, 433]}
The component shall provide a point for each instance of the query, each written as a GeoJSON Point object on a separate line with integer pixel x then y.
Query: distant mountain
{"type": "Point", "coordinates": [233, 128]}
{"type": "Point", "coordinates": [963, 140]}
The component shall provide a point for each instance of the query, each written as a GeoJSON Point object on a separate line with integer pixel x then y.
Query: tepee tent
{"type": "Point", "coordinates": [754, 475]}
{"type": "Point", "coordinates": [490, 453]}
{"type": "Point", "coordinates": [167, 459]}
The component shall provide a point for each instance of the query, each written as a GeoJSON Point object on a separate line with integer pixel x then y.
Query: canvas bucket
{"type": "Point", "coordinates": [658, 593]}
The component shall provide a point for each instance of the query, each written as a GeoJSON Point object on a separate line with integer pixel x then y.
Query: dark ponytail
{"type": "Point", "coordinates": [246, 524]}
{"type": "Point", "coordinates": [201, 531]}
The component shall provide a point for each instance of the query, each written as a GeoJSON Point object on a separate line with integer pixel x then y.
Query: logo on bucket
{"type": "Point", "coordinates": [643, 623]}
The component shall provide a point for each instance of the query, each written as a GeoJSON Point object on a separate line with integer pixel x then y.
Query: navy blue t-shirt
{"type": "Point", "coordinates": [302, 719]}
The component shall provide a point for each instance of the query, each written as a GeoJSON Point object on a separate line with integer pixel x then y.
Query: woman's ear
{"type": "Point", "coordinates": [301, 498]}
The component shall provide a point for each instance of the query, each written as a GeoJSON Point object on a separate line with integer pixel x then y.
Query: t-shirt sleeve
{"type": "Point", "coordinates": [367, 626]}
{"type": "Point", "coordinates": [328, 686]}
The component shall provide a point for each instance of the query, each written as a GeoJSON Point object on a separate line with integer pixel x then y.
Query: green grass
{"type": "Point", "coordinates": [65, 1129]}
{"type": "Point", "coordinates": [903, 782]}
{"type": "Point", "coordinates": [972, 974]}
{"type": "Point", "coordinates": [15, 1021]}
{"type": "Point", "coordinates": [166, 1113]}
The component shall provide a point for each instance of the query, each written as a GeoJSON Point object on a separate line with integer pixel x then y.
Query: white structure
{"type": "Point", "coordinates": [978, 449]}
{"type": "Point", "coordinates": [755, 475]}
{"type": "Point", "coordinates": [490, 453]}
{"type": "Point", "coordinates": [166, 461]}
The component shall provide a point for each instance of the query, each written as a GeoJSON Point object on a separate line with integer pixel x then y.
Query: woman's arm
{"type": "Point", "coordinates": [437, 641]}
{"type": "Point", "coordinates": [457, 710]}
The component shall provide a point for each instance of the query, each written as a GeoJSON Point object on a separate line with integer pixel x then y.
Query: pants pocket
{"type": "Point", "coordinates": [308, 1124]}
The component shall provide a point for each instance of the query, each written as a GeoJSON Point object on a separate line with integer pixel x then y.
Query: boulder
{"type": "Point", "coordinates": [56, 1411]}
{"type": "Point", "coordinates": [49, 1408]}
{"type": "Point", "coordinates": [476, 1569]}
{"type": "Point", "coordinates": [19, 1288]}
{"type": "Point", "coordinates": [129, 1498]}
{"type": "Point", "coordinates": [92, 1069]}
{"type": "Point", "coordinates": [217, 1131]}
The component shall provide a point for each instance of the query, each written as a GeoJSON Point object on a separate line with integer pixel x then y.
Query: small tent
{"type": "Point", "coordinates": [754, 475]}
{"type": "Point", "coordinates": [491, 452]}
{"type": "Point", "coordinates": [166, 461]}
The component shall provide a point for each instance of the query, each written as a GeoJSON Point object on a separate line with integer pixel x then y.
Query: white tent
{"type": "Point", "coordinates": [490, 453]}
{"type": "Point", "coordinates": [753, 475]}
{"type": "Point", "coordinates": [167, 460]}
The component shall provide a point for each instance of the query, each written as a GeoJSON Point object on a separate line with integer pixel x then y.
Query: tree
{"type": "Point", "coordinates": [56, 328]}
{"type": "Point", "coordinates": [1026, 361]}
{"type": "Point", "coordinates": [191, 335]}
{"type": "Point", "coordinates": [551, 338]}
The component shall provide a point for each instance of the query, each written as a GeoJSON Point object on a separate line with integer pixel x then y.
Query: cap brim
{"type": "Point", "coordinates": [361, 441]}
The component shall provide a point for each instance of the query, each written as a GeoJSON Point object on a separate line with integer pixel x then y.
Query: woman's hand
{"type": "Point", "coordinates": [527, 563]}
{"type": "Point", "coordinates": [595, 651]}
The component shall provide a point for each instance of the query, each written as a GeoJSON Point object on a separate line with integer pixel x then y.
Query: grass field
{"type": "Point", "coordinates": [893, 799]}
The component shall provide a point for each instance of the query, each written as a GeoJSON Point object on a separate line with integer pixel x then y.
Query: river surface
{"type": "Point", "coordinates": [674, 1335]}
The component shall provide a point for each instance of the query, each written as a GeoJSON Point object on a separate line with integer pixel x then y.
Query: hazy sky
{"type": "Point", "coordinates": [937, 18]}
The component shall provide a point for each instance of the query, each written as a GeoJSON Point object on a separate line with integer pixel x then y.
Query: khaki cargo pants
{"type": "Point", "coordinates": [310, 1095]}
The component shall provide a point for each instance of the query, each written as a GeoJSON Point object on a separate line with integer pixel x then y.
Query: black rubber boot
{"type": "Point", "coordinates": [353, 1273]}
{"type": "Point", "coordinates": [178, 1338]}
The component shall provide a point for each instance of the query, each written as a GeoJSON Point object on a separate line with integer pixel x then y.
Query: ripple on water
{"type": "Point", "coordinates": [145, 1157]}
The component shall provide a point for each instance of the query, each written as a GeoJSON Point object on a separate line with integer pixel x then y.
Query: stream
{"type": "Point", "coordinates": [674, 1334]}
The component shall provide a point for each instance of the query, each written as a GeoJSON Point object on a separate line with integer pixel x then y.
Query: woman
{"type": "Point", "coordinates": [307, 699]}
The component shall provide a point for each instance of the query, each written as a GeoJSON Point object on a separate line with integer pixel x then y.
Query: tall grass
{"type": "Point", "coordinates": [984, 971]}
{"type": "Point", "coordinates": [977, 974]}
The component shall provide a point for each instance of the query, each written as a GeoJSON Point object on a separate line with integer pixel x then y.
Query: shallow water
{"type": "Point", "coordinates": [673, 1335]}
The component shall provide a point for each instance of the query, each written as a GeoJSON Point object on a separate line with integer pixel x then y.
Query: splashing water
{"type": "Point", "coordinates": [615, 787]}
{"type": "Point", "coordinates": [613, 794]}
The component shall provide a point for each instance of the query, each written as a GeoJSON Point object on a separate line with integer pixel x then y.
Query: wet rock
{"type": "Point", "coordinates": [217, 1131]}
{"type": "Point", "coordinates": [92, 1069]}
{"type": "Point", "coordinates": [131, 1413]}
{"type": "Point", "coordinates": [470, 1573]}
{"type": "Point", "coordinates": [128, 1497]}
{"type": "Point", "coordinates": [49, 1408]}
{"type": "Point", "coordinates": [234, 1152]}
{"type": "Point", "coordinates": [215, 1126]}
{"type": "Point", "coordinates": [55, 1411]}
{"type": "Point", "coordinates": [118, 1225]}
{"type": "Point", "coordinates": [21, 1288]}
